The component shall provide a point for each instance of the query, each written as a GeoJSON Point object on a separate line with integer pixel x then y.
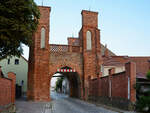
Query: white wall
{"type": "Point", "coordinates": [118, 69]}
{"type": "Point", "coordinates": [21, 70]}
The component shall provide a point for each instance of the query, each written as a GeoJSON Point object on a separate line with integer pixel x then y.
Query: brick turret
{"type": "Point", "coordinates": [90, 41]}
{"type": "Point", "coordinates": [38, 81]}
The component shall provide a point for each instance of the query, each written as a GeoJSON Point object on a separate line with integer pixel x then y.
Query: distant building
{"type": "Point", "coordinates": [19, 66]}
{"type": "Point", "coordinates": [118, 62]}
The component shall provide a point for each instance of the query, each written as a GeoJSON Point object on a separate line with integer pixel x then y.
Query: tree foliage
{"type": "Point", "coordinates": [18, 21]}
{"type": "Point", "coordinates": [59, 83]}
{"type": "Point", "coordinates": [143, 102]}
{"type": "Point", "coordinates": [148, 75]}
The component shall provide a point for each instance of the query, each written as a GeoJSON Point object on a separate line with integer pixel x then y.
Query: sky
{"type": "Point", "coordinates": [124, 24]}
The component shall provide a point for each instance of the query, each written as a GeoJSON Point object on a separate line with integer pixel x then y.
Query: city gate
{"type": "Point", "coordinates": [78, 60]}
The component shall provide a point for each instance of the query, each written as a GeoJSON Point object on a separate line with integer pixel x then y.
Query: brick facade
{"type": "Point", "coordinates": [43, 62]}
{"type": "Point", "coordinates": [91, 58]}
{"type": "Point", "coordinates": [38, 82]}
{"type": "Point", "coordinates": [7, 90]}
{"type": "Point", "coordinates": [115, 88]}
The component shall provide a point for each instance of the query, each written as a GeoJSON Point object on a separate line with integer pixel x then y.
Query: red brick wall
{"type": "Point", "coordinates": [89, 18]}
{"type": "Point", "coordinates": [120, 85]}
{"type": "Point", "coordinates": [73, 60]}
{"type": "Point", "coordinates": [101, 86]}
{"type": "Point", "coordinates": [61, 59]}
{"type": "Point", "coordinates": [73, 41]}
{"type": "Point", "coordinates": [131, 73]}
{"type": "Point", "coordinates": [38, 82]}
{"type": "Point", "coordinates": [91, 58]}
{"type": "Point", "coordinates": [115, 85]}
{"type": "Point", "coordinates": [12, 76]}
{"type": "Point", "coordinates": [142, 64]}
{"type": "Point", "coordinates": [7, 90]}
{"type": "Point", "coordinates": [104, 89]}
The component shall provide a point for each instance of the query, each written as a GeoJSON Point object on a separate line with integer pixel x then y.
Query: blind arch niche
{"type": "Point", "coordinates": [43, 37]}
{"type": "Point", "coordinates": [88, 40]}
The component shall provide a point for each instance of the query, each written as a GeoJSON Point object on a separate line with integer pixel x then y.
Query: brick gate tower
{"type": "Point", "coordinates": [38, 81]}
{"type": "Point", "coordinates": [90, 41]}
{"type": "Point", "coordinates": [82, 54]}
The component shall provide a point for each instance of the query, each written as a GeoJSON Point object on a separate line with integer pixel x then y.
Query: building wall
{"type": "Point", "coordinates": [85, 62]}
{"type": "Point", "coordinates": [118, 69]}
{"type": "Point", "coordinates": [7, 91]}
{"type": "Point", "coordinates": [142, 64]}
{"type": "Point", "coordinates": [59, 60]}
{"type": "Point", "coordinates": [20, 70]}
{"type": "Point", "coordinates": [117, 89]}
{"type": "Point", "coordinates": [38, 73]}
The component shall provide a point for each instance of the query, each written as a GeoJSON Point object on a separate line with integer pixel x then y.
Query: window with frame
{"type": "Point", "coordinates": [16, 61]}
{"type": "Point", "coordinates": [8, 61]}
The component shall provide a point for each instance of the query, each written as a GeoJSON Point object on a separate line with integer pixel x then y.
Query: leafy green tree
{"type": "Point", "coordinates": [18, 22]}
{"type": "Point", "coordinates": [59, 83]}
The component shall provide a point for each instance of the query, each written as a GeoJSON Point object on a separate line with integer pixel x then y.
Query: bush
{"type": "Point", "coordinates": [148, 75]}
{"type": "Point", "coordinates": [143, 102]}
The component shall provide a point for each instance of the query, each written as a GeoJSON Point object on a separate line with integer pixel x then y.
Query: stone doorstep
{"type": "Point", "coordinates": [11, 108]}
{"type": "Point", "coordinates": [111, 108]}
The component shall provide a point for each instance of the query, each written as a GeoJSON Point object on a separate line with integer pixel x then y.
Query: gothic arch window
{"type": "Point", "coordinates": [88, 40]}
{"type": "Point", "coordinates": [43, 37]}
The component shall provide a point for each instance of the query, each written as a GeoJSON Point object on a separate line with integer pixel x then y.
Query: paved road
{"type": "Point", "coordinates": [57, 96]}
{"type": "Point", "coordinates": [69, 105]}
{"type": "Point", "coordinates": [64, 104]}
{"type": "Point", "coordinates": [60, 104]}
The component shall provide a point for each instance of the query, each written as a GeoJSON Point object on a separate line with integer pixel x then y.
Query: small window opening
{"type": "Point", "coordinates": [16, 61]}
{"type": "Point", "coordinates": [8, 62]}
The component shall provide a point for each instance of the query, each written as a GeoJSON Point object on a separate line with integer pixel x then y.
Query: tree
{"type": "Point", "coordinates": [18, 22]}
{"type": "Point", "coordinates": [143, 103]}
{"type": "Point", "coordinates": [148, 75]}
{"type": "Point", "coordinates": [59, 84]}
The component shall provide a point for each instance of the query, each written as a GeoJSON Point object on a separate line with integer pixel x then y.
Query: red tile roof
{"type": "Point", "coordinates": [142, 63]}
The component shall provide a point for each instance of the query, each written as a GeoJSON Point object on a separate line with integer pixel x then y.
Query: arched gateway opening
{"type": "Point", "coordinates": [73, 78]}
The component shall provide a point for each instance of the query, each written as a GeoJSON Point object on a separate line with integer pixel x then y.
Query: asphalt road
{"type": "Point", "coordinates": [64, 104]}
{"type": "Point", "coordinates": [60, 104]}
